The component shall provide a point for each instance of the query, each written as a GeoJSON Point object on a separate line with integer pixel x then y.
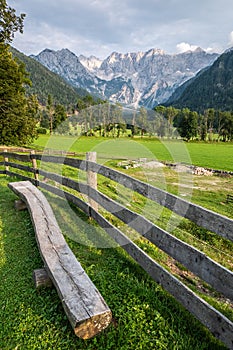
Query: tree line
{"type": "Point", "coordinates": [210, 125]}
{"type": "Point", "coordinates": [113, 120]}
{"type": "Point", "coordinates": [21, 115]}
{"type": "Point", "coordinates": [22, 112]}
{"type": "Point", "coordinates": [17, 124]}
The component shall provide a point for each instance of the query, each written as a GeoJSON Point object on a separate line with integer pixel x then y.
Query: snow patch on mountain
{"type": "Point", "coordinates": [136, 78]}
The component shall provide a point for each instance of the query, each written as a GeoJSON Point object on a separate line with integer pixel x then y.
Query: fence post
{"type": "Point", "coordinates": [6, 160]}
{"type": "Point", "coordinates": [92, 178]}
{"type": "Point", "coordinates": [34, 165]}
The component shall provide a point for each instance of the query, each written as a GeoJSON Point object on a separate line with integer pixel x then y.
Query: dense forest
{"type": "Point", "coordinates": [210, 125]}
{"type": "Point", "coordinates": [33, 99]}
{"type": "Point", "coordinates": [56, 99]}
{"type": "Point", "coordinates": [211, 88]}
{"type": "Point", "coordinates": [110, 120]}
{"type": "Point", "coordinates": [45, 82]}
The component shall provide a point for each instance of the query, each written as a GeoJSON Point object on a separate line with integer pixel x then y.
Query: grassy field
{"type": "Point", "coordinates": [211, 155]}
{"type": "Point", "coordinates": [145, 316]}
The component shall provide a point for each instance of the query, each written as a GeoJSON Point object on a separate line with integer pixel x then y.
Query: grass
{"type": "Point", "coordinates": [211, 155]}
{"type": "Point", "coordinates": [145, 316]}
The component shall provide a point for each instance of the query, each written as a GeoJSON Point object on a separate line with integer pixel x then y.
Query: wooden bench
{"type": "Point", "coordinates": [85, 308]}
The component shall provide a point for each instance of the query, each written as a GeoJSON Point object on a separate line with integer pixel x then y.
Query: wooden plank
{"type": "Point", "coordinates": [203, 217]}
{"type": "Point", "coordinates": [21, 167]}
{"type": "Point", "coordinates": [92, 178]}
{"type": "Point", "coordinates": [23, 177]}
{"type": "Point", "coordinates": [199, 263]}
{"type": "Point", "coordinates": [21, 157]}
{"type": "Point", "coordinates": [34, 165]}
{"type": "Point", "coordinates": [65, 181]}
{"type": "Point", "coordinates": [68, 196]}
{"type": "Point", "coordinates": [213, 273]}
{"type": "Point", "coordinates": [74, 162]}
{"type": "Point", "coordinates": [6, 160]}
{"type": "Point", "coordinates": [51, 176]}
{"type": "Point", "coordinates": [85, 308]}
{"type": "Point", "coordinates": [58, 160]}
{"type": "Point", "coordinates": [219, 325]}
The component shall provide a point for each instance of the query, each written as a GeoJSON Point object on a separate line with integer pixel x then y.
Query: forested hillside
{"type": "Point", "coordinates": [211, 88]}
{"type": "Point", "coordinates": [45, 82]}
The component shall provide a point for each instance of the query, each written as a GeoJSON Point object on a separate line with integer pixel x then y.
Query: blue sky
{"type": "Point", "coordinates": [99, 27]}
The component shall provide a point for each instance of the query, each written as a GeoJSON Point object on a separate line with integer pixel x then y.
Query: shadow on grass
{"type": "Point", "coordinates": [144, 315]}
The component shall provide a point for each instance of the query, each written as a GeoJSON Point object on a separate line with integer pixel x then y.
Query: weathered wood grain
{"type": "Point", "coordinates": [199, 263]}
{"type": "Point", "coordinates": [65, 181]}
{"type": "Point", "coordinates": [41, 278]}
{"type": "Point", "coordinates": [21, 157]}
{"type": "Point", "coordinates": [92, 178]}
{"type": "Point", "coordinates": [21, 167]}
{"type": "Point", "coordinates": [203, 217]}
{"type": "Point", "coordinates": [215, 274]}
{"type": "Point", "coordinates": [68, 196]}
{"type": "Point", "coordinates": [86, 309]}
{"type": "Point", "coordinates": [34, 165]}
{"type": "Point", "coordinates": [219, 325]}
{"type": "Point", "coordinates": [22, 177]}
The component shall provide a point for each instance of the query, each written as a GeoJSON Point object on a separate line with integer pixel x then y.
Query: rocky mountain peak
{"type": "Point", "coordinates": [144, 78]}
{"type": "Point", "coordinates": [199, 49]}
{"type": "Point", "coordinates": [153, 52]}
{"type": "Point", "coordinates": [92, 63]}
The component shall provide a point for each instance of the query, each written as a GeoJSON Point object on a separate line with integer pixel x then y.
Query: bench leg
{"type": "Point", "coordinates": [41, 278]}
{"type": "Point", "coordinates": [20, 205]}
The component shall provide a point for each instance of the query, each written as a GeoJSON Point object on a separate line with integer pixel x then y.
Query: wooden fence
{"type": "Point", "coordinates": [216, 275]}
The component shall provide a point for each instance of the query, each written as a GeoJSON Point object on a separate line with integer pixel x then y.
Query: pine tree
{"type": "Point", "coordinates": [9, 22]}
{"type": "Point", "coordinates": [17, 121]}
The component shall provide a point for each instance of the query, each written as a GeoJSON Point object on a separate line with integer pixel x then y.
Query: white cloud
{"type": "Point", "coordinates": [101, 26]}
{"type": "Point", "coordinates": [231, 38]}
{"type": "Point", "coordinates": [183, 47]}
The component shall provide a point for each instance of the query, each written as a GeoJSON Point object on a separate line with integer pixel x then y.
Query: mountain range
{"type": "Point", "coordinates": [212, 87]}
{"type": "Point", "coordinates": [132, 79]}
{"type": "Point", "coordinates": [45, 82]}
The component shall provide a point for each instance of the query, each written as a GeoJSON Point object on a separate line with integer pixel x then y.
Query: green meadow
{"type": "Point", "coordinates": [145, 316]}
{"type": "Point", "coordinates": [210, 155]}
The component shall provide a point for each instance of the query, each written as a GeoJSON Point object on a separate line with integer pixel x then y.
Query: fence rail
{"type": "Point", "coordinates": [219, 277]}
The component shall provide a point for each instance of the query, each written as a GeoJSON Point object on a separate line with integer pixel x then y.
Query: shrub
{"type": "Point", "coordinates": [42, 131]}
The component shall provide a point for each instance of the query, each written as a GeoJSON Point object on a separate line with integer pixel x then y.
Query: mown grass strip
{"type": "Point", "coordinates": [215, 155]}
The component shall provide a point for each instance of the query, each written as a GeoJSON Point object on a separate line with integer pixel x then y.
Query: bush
{"type": "Point", "coordinates": [42, 131]}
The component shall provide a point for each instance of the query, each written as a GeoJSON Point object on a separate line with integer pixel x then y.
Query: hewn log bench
{"type": "Point", "coordinates": [85, 308]}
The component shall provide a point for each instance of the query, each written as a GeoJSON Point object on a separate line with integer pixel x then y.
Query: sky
{"type": "Point", "coordinates": [100, 27]}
